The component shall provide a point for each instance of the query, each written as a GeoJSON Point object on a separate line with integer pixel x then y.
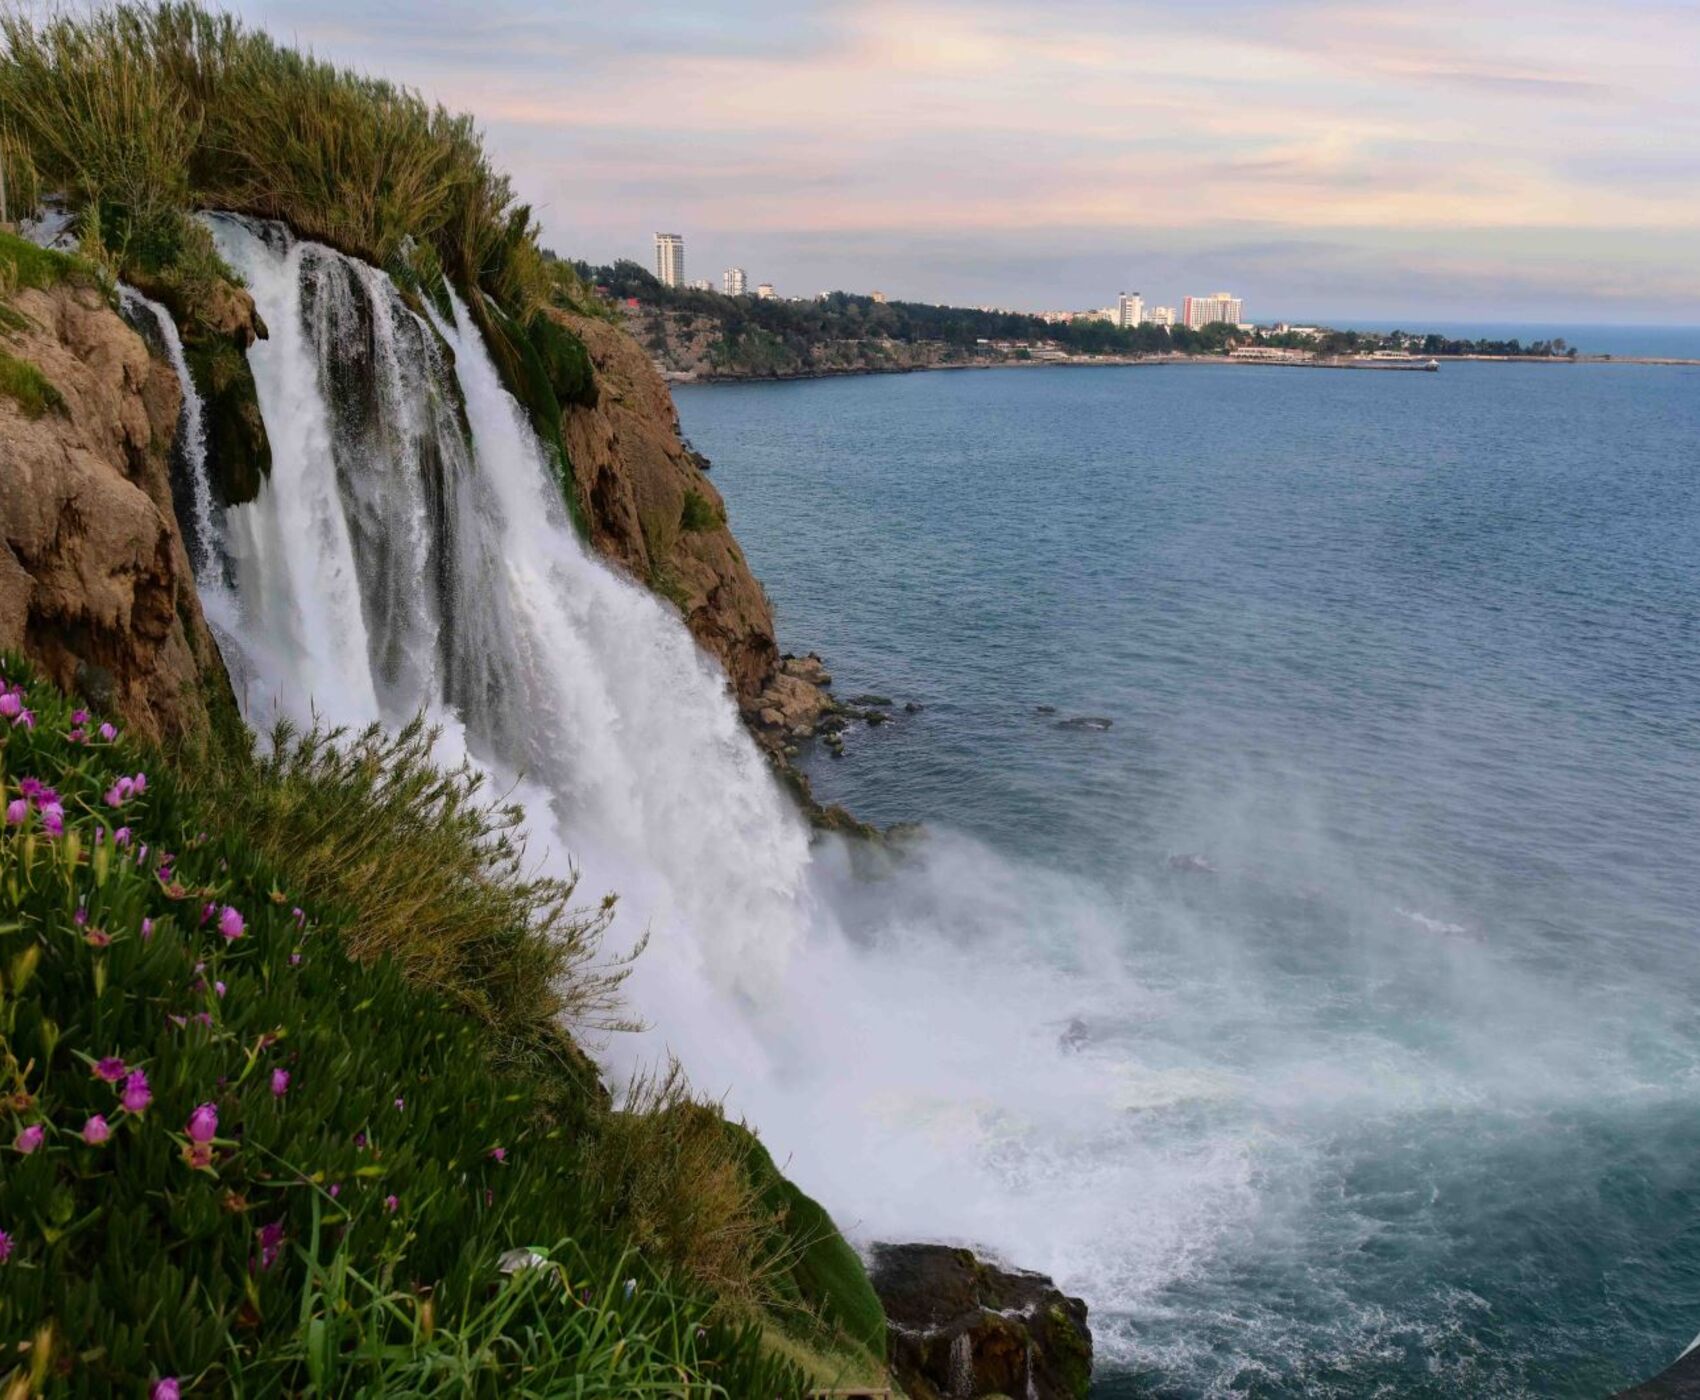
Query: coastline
{"type": "Point", "coordinates": [1154, 361]}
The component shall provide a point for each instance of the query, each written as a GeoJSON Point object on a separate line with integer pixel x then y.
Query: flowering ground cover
{"type": "Point", "coordinates": [233, 1159]}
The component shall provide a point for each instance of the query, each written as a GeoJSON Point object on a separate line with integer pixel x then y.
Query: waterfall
{"type": "Point", "coordinates": [893, 1039]}
{"type": "Point", "coordinates": [190, 485]}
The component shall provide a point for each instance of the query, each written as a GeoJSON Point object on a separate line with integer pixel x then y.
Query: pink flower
{"type": "Point", "coordinates": [271, 1243]}
{"type": "Point", "coordinates": [280, 1083]}
{"type": "Point", "coordinates": [121, 837]}
{"type": "Point", "coordinates": [111, 1069]}
{"type": "Point", "coordinates": [31, 1138]}
{"type": "Point", "coordinates": [76, 736]}
{"type": "Point", "coordinates": [139, 784]}
{"type": "Point", "coordinates": [147, 929]}
{"type": "Point", "coordinates": [219, 988]}
{"type": "Point", "coordinates": [16, 810]}
{"type": "Point", "coordinates": [11, 704]}
{"type": "Point", "coordinates": [96, 1131]}
{"type": "Point", "coordinates": [5, 1246]}
{"type": "Point", "coordinates": [53, 820]}
{"type": "Point", "coordinates": [79, 716]}
{"type": "Point", "coordinates": [137, 1096]}
{"type": "Point", "coordinates": [500, 1154]}
{"type": "Point", "coordinates": [299, 915]}
{"type": "Point", "coordinates": [203, 1123]}
{"type": "Point", "coordinates": [295, 960]}
{"type": "Point", "coordinates": [400, 1104]}
{"type": "Point", "coordinates": [108, 733]}
{"type": "Point", "coordinates": [30, 787]}
{"type": "Point", "coordinates": [230, 924]}
{"type": "Point", "coordinates": [360, 1139]}
{"type": "Point", "coordinates": [336, 1189]}
{"type": "Point", "coordinates": [390, 1204]}
{"type": "Point", "coordinates": [166, 1388]}
{"type": "Point", "coordinates": [98, 938]}
{"type": "Point", "coordinates": [26, 718]}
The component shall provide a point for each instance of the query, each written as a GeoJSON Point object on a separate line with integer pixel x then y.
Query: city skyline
{"type": "Point", "coordinates": [1444, 161]}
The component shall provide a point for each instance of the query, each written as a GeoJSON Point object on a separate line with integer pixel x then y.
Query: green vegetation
{"type": "Point", "coordinates": [22, 264]}
{"type": "Point", "coordinates": [344, 996]}
{"type": "Point", "coordinates": [698, 513]}
{"type": "Point", "coordinates": [141, 116]}
{"type": "Point", "coordinates": [27, 386]}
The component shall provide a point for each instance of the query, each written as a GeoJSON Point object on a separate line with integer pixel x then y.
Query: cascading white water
{"type": "Point", "coordinates": [190, 443]}
{"type": "Point", "coordinates": [392, 563]}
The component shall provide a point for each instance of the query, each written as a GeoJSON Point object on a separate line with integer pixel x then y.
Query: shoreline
{"type": "Point", "coordinates": [673, 377]}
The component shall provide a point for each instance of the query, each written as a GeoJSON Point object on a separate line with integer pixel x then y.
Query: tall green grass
{"type": "Point", "coordinates": [141, 114]}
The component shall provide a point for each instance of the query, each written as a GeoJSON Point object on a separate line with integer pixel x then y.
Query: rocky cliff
{"type": "Point", "coordinates": [95, 585]}
{"type": "Point", "coordinates": [652, 509]}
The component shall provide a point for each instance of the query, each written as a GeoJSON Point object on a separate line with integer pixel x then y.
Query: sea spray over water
{"type": "Point", "coordinates": [1206, 1104]}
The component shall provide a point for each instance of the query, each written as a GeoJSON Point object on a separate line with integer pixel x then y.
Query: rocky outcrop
{"type": "Point", "coordinates": [95, 585]}
{"type": "Point", "coordinates": [1678, 1381]}
{"type": "Point", "coordinates": [960, 1327]}
{"type": "Point", "coordinates": [651, 508]}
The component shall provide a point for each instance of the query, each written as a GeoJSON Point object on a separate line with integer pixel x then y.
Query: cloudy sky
{"type": "Point", "coordinates": [1459, 160]}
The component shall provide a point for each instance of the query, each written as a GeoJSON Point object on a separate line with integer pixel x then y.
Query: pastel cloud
{"type": "Point", "coordinates": [1469, 130]}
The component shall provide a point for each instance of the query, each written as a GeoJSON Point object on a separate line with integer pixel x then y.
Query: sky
{"type": "Point", "coordinates": [1423, 161]}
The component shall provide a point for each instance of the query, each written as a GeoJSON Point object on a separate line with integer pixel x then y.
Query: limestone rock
{"type": "Point", "coordinates": [961, 1327]}
{"type": "Point", "coordinates": [95, 585]}
{"type": "Point", "coordinates": [651, 509]}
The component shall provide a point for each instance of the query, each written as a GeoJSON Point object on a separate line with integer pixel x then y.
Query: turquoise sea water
{"type": "Point", "coordinates": [1397, 813]}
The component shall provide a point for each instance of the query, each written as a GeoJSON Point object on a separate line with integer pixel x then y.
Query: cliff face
{"type": "Point", "coordinates": [652, 509]}
{"type": "Point", "coordinates": [95, 585]}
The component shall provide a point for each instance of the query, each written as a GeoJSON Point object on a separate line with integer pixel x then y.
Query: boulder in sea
{"type": "Point", "coordinates": [960, 1327]}
{"type": "Point", "coordinates": [1093, 722]}
{"type": "Point", "coordinates": [1044, 709]}
{"type": "Point", "coordinates": [882, 702]}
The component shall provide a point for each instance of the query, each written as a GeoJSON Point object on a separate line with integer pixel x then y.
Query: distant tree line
{"type": "Point", "coordinates": [777, 331]}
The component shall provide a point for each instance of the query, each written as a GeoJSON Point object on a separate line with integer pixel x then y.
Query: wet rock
{"type": "Point", "coordinates": [911, 708]}
{"type": "Point", "coordinates": [1678, 1381]}
{"type": "Point", "coordinates": [1044, 709]}
{"type": "Point", "coordinates": [961, 1327]}
{"type": "Point", "coordinates": [1090, 722]}
{"type": "Point", "coordinates": [875, 717]}
{"type": "Point", "coordinates": [883, 702]}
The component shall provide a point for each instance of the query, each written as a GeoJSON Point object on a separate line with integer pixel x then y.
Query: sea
{"type": "Point", "coordinates": [1337, 736]}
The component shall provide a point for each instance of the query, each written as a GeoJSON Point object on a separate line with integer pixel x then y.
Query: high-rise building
{"type": "Point", "coordinates": [877, 297]}
{"type": "Point", "coordinates": [670, 259]}
{"type": "Point", "coordinates": [1161, 315]}
{"type": "Point", "coordinates": [1218, 306]}
{"type": "Point", "coordinates": [1130, 310]}
{"type": "Point", "coordinates": [702, 284]}
{"type": "Point", "coordinates": [734, 281]}
{"type": "Point", "coordinates": [765, 292]}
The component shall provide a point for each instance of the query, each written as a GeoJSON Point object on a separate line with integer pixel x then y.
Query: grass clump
{"type": "Point", "coordinates": [143, 113]}
{"type": "Point", "coordinates": [238, 1157]}
{"type": "Point", "coordinates": [23, 264]}
{"type": "Point", "coordinates": [698, 513]}
{"type": "Point", "coordinates": [27, 386]}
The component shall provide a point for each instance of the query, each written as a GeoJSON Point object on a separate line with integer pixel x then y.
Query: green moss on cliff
{"type": "Point", "coordinates": [27, 386]}
{"type": "Point", "coordinates": [239, 454]}
{"type": "Point", "coordinates": [23, 264]}
{"type": "Point", "coordinates": [565, 360]}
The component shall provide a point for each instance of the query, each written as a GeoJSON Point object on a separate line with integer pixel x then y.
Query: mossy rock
{"type": "Point", "coordinates": [24, 264]}
{"type": "Point", "coordinates": [565, 361]}
{"type": "Point", "coordinates": [826, 1276]}
{"type": "Point", "coordinates": [239, 454]}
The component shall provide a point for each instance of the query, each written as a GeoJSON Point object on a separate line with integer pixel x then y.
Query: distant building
{"type": "Point", "coordinates": [734, 281]}
{"type": "Point", "coordinates": [1161, 316]}
{"type": "Point", "coordinates": [877, 296]}
{"type": "Point", "coordinates": [1207, 311]}
{"type": "Point", "coordinates": [1130, 310]}
{"type": "Point", "coordinates": [765, 292]}
{"type": "Point", "coordinates": [702, 284]}
{"type": "Point", "coordinates": [670, 259]}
